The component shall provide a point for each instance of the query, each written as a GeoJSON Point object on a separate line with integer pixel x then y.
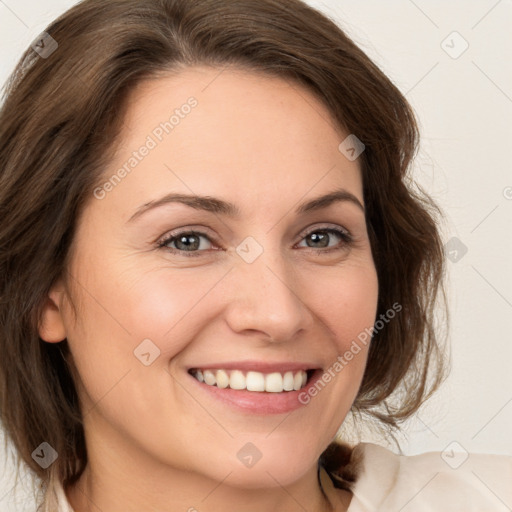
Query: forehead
{"type": "Point", "coordinates": [209, 129]}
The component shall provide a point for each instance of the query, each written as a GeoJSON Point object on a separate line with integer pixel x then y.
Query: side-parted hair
{"type": "Point", "coordinates": [60, 120]}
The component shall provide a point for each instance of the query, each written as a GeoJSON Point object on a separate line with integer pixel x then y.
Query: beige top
{"type": "Point", "coordinates": [430, 482]}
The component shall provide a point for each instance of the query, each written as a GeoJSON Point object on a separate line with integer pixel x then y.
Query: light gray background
{"type": "Point", "coordinates": [464, 105]}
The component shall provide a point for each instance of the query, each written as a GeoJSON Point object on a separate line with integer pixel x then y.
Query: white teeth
{"type": "Point", "coordinates": [288, 381]}
{"type": "Point", "coordinates": [274, 383]}
{"type": "Point", "coordinates": [222, 379]}
{"type": "Point", "coordinates": [209, 378]}
{"type": "Point", "coordinates": [253, 381]}
{"type": "Point", "coordinates": [237, 380]}
{"type": "Point", "coordinates": [297, 381]}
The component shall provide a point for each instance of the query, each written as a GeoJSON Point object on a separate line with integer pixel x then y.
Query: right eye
{"type": "Point", "coordinates": [188, 243]}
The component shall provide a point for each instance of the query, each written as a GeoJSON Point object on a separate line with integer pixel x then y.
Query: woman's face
{"type": "Point", "coordinates": [266, 285]}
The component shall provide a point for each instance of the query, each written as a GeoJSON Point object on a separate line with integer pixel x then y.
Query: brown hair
{"type": "Point", "coordinates": [60, 119]}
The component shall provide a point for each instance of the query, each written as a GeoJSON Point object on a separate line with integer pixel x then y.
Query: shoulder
{"type": "Point", "coordinates": [382, 480]}
{"type": "Point", "coordinates": [56, 499]}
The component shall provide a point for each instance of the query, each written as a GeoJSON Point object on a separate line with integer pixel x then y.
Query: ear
{"type": "Point", "coordinates": [51, 324]}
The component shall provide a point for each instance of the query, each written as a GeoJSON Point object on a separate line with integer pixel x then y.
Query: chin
{"type": "Point", "coordinates": [262, 464]}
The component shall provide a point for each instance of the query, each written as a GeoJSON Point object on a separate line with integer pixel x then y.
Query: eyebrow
{"type": "Point", "coordinates": [219, 206]}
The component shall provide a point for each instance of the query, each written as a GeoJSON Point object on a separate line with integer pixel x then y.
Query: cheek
{"type": "Point", "coordinates": [127, 302]}
{"type": "Point", "coordinates": [346, 301]}
{"type": "Point", "coordinates": [170, 306]}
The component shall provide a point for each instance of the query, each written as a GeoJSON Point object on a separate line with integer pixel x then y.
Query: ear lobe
{"type": "Point", "coordinates": [51, 323]}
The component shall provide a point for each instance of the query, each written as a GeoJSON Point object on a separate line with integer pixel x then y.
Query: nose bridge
{"type": "Point", "coordinates": [263, 295]}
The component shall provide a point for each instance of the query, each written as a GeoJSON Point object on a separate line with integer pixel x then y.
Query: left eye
{"type": "Point", "coordinates": [322, 237]}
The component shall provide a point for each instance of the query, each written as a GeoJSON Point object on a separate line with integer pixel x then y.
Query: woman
{"type": "Point", "coordinates": [211, 255]}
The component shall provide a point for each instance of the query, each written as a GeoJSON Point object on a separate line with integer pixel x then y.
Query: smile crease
{"type": "Point", "coordinates": [274, 382]}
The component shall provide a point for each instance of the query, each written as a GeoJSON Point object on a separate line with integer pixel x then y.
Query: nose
{"type": "Point", "coordinates": [264, 297]}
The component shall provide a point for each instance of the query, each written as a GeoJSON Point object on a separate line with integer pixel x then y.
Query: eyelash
{"type": "Point", "coordinates": [344, 235]}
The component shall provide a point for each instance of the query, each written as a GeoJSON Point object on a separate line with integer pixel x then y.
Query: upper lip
{"type": "Point", "coordinates": [258, 366]}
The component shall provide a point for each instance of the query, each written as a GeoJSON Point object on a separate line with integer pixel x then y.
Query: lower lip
{"type": "Point", "coordinates": [260, 402]}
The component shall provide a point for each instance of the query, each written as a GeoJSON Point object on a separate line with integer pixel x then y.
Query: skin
{"type": "Point", "coordinates": [156, 441]}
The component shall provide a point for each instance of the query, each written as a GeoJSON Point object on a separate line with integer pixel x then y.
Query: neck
{"type": "Point", "coordinates": [183, 491]}
{"type": "Point", "coordinates": [131, 483]}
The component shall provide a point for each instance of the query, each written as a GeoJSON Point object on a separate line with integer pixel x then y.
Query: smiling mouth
{"type": "Point", "coordinates": [274, 382]}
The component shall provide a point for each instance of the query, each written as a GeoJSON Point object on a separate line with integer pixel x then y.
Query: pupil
{"type": "Point", "coordinates": [321, 237]}
{"type": "Point", "coordinates": [183, 240]}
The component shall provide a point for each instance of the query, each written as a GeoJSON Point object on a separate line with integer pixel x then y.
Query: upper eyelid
{"type": "Point", "coordinates": [181, 231]}
{"type": "Point", "coordinates": [314, 228]}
